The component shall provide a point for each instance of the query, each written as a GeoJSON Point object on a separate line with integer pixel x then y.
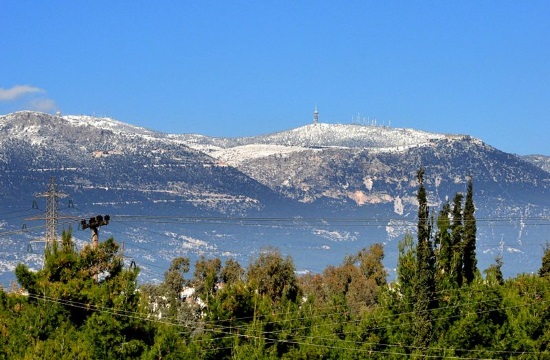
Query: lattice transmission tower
{"type": "Point", "coordinates": [52, 217]}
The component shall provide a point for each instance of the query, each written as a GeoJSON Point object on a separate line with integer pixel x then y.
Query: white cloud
{"type": "Point", "coordinates": [32, 98]}
{"type": "Point", "coordinates": [18, 91]}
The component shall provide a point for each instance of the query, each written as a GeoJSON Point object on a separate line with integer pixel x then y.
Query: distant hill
{"type": "Point", "coordinates": [117, 163]}
{"type": "Point", "coordinates": [369, 164]}
{"type": "Point", "coordinates": [317, 192]}
{"type": "Point", "coordinates": [541, 161]}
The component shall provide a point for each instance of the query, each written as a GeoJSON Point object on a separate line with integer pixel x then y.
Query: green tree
{"type": "Point", "coordinates": [273, 276]}
{"type": "Point", "coordinates": [169, 344]}
{"type": "Point", "coordinates": [544, 270]}
{"type": "Point", "coordinates": [470, 230]}
{"type": "Point", "coordinates": [457, 229]}
{"type": "Point", "coordinates": [232, 272]}
{"type": "Point", "coordinates": [68, 299]}
{"type": "Point", "coordinates": [406, 270]}
{"type": "Point", "coordinates": [206, 277]}
{"type": "Point", "coordinates": [175, 278]}
{"type": "Point", "coordinates": [444, 244]}
{"type": "Point", "coordinates": [493, 274]}
{"type": "Point", "coordinates": [371, 263]}
{"type": "Point", "coordinates": [528, 316]}
{"type": "Point", "coordinates": [167, 301]}
{"type": "Point", "coordinates": [480, 322]}
{"type": "Point", "coordinates": [424, 283]}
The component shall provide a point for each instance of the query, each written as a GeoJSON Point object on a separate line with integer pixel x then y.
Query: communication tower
{"type": "Point", "coordinates": [316, 116]}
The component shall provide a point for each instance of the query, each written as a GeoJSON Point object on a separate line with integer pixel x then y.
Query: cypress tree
{"type": "Point", "coordinates": [444, 242]}
{"type": "Point", "coordinates": [544, 270]}
{"type": "Point", "coordinates": [457, 229]}
{"type": "Point", "coordinates": [469, 236]}
{"type": "Point", "coordinates": [425, 271]}
{"type": "Point", "coordinates": [406, 270]}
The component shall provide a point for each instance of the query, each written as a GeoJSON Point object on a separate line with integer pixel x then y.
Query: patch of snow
{"type": "Point", "coordinates": [398, 206]}
{"type": "Point", "coordinates": [235, 155]}
{"type": "Point", "coordinates": [336, 235]}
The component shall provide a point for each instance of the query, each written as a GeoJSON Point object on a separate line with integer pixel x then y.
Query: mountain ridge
{"type": "Point", "coordinates": [292, 189]}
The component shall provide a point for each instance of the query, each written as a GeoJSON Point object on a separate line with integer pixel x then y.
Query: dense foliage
{"type": "Point", "coordinates": [439, 305]}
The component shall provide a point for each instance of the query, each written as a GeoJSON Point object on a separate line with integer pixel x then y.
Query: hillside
{"type": "Point", "coordinates": [372, 164]}
{"type": "Point", "coordinates": [120, 164]}
{"type": "Point", "coordinates": [541, 161]}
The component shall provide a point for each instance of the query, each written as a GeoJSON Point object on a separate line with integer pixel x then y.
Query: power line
{"type": "Point", "coordinates": [143, 317]}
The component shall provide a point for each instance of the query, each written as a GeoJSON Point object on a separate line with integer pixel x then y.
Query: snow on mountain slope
{"type": "Point", "coordinates": [136, 163]}
{"type": "Point", "coordinates": [238, 154]}
{"type": "Point", "coordinates": [541, 161]}
{"type": "Point", "coordinates": [352, 136]}
{"type": "Point", "coordinates": [36, 126]}
{"type": "Point", "coordinates": [324, 135]}
{"type": "Point", "coordinates": [234, 151]}
{"type": "Point", "coordinates": [108, 123]}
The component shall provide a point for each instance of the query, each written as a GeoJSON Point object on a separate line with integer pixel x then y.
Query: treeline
{"type": "Point", "coordinates": [87, 305]}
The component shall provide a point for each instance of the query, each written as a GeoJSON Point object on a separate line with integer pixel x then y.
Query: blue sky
{"type": "Point", "coordinates": [236, 68]}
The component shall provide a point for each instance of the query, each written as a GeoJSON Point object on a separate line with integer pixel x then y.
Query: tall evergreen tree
{"type": "Point", "coordinates": [469, 236]}
{"type": "Point", "coordinates": [444, 244]}
{"type": "Point", "coordinates": [457, 229]}
{"type": "Point", "coordinates": [545, 267]}
{"type": "Point", "coordinates": [425, 271]}
{"type": "Point", "coordinates": [406, 270]}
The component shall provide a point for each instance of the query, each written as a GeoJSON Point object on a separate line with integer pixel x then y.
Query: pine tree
{"type": "Point", "coordinates": [425, 271]}
{"type": "Point", "coordinates": [66, 289]}
{"type": "Point", "coordinates": [469, 236]}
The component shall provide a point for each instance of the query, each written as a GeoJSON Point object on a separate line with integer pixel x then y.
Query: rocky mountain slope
{"type": "Point", "coordinates": [119, 164]}
{"type": "Point", "coordinates": [317, 192]}
{"type": "Point", "coordinates": [541, 161]}
{"type": "Point", "coordinates": [371, 165]}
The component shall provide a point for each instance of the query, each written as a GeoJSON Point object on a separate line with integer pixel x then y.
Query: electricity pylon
{"type": "Point", "coordinates": [52, 217]}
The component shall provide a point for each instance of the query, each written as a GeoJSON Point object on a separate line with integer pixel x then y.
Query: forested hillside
{"type": "Point", "coordinates": [87, 305]}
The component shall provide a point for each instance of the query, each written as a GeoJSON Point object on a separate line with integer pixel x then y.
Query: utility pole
{"type": "Point", "coordinates": [94, 224]}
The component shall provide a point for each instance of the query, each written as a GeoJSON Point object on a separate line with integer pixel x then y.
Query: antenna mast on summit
{"type": "Point", "coordinates": [316, 116]}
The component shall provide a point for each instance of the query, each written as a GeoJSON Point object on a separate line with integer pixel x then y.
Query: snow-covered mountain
{"type": "Point", "coordinates": [541, 161]}
{"type": "Point", "coordinates": [372, 164]}
{"type": "Point", "coordinates": [324, 135]}
{"type": "Point", "coordinates": [317, 192]}
{"type": "Point", "coordinates": [119, 164]}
